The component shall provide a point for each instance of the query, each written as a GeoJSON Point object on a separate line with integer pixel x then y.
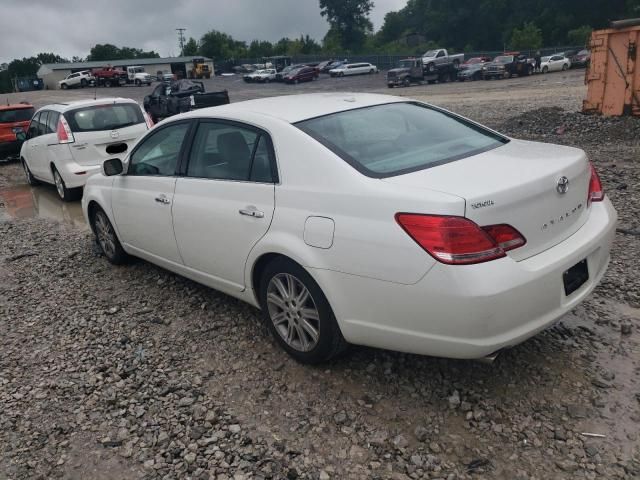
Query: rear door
{"type": "Point", "coordinates": [35, 145]}
{"type": "Point", "coordinates": [224, 203]}
{"type": "Point", "coordinates": [143, 198]}
{"type": "Point", "coordinates": [104, 131]}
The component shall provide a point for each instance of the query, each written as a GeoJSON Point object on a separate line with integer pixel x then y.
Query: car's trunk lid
{"type": "Point", "coordinates": [516, 184]}
{"type": "Point", "coordinates": [93, 148]}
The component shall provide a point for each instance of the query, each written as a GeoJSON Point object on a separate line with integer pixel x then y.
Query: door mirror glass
{"type": "Point", "coordinates": [21, 136]}
{"type": "Point", "coordinates": [111, 167]}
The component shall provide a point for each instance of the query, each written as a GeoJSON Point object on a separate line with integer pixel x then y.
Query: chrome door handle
{"type": "Point", "coordinates": [162, 199]}
{"type": "Point", "coordinates": [251, 213]}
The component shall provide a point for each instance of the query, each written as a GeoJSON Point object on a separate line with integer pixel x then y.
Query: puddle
{"type": "Point", "coordinates": [24, 201]}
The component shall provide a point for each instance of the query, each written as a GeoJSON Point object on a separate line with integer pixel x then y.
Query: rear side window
{"type": "Point", "coordinates": [16, 115]}
{"type": "Point", "coordinates": [391, 139]}
{"type": "Point", "coordinates": [42, 124]}
{"type": "Point", "coordinates": [104, 117]}
{"type": "Point", "coordinates": [52, 122]}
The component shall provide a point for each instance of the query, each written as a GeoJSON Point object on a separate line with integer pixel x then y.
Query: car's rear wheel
{"type": "Point", "coordinates": [565, 67]}
{"type": "Point", "coordinates": [64, 86]}
{"type": "Point", "coordinates": [106, 238]}
{"type": "Point", "coordinates": [107, 83]}
{"type": "Point", "coordinates": [66, 194]}
{"type": "Point", "coordinates": [31, 180]}
{"type": "Point", "coordinates": [298, 314]}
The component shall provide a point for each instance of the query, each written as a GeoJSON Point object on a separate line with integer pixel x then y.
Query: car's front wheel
{"type": "Point", "coordinates": [107, 238]}
{"type": "Point", "coordinates": [298, 314]}
{"type": "Point", "coordinates": [66, 194]}
{"type": "Point", "coordinates": [31, 180]}
{"type": "Point", "coordinates": [64, 86]}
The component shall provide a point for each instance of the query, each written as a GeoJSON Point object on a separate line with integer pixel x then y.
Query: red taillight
{"type": "Point", "coordinates": [596, 193]}
{"type": "Point", "coordinates": [457, 240]}
{"type": "Point", "coordinates": [64, 132]}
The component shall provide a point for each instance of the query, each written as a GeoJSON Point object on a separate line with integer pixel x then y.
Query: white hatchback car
{"type": "Point", "coordinates": [554, 63]}
{"type": "Point", "coordinates": [362, 218]}
{"type": "Point", "coordinates": [67, 142]}
{"type": "Point", "coordinates": [353, 69]}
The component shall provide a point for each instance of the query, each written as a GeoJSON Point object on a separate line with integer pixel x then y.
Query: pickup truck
{"type": "Point", "coordinates": [435, 58]}
{"type": "Point", "coordinates": [508, 65]}
{"type": "Point", "coordinates": [412, 70]}
{"type": "Point", "coordinates": [109, 76]}
{"type": "Point", "coordinates": [181, 96]}
{"type": "Point", "coordinates": [138, 76]}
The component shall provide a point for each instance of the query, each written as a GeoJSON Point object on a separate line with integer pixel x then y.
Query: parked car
{"type": "Point", "coordinates": [434, 58]}
{"type": "Point", "coordinates": [353, 69]}
{"type": "Point", "coordinates": [331, 65]}
{"type": "Point", "coordinates": [506, 66]}
{"type": "Point", "coordinates": [554, 63]}
{"type": "Point", "coordinates": [244, 68]}
{"type": "Point", "coordinates": [364, 219]}
{"type": "Point", "coordinates": [288, 69]}
{"type": "Point", "coordinates": [181, 96]}
{"type": "Point", "coordinates": [472, 68]}
{"type": "Point", "coordinates": [14, 119]}
{"type": "Point", "coordinates": [165, 76]}
{"type": "Point", "coordinates": [302, 74]}
{"type": "Point", "coordinates": [66, 143]}
{"type": "Point", "coordinates": [261, 76]}
{"type": "Point", "coordinates": [77, 79]}
{"type": "Point", "coordinates": [581, 59]}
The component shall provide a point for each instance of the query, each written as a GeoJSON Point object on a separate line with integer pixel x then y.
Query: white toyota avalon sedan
{"type": "Point", "coordinates": [364, 219]}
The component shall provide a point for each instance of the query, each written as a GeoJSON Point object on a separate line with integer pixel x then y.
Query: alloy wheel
{"type": "Point", "coordinates": [105, 234]}
{"type": "Point", "coordinates": [293, 312]}
{"type": "Point", "coordinates": [59, 183]}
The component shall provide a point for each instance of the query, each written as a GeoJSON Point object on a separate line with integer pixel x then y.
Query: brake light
{"type": "Point", "coordinates": [65, 135]}
{"type": "Point", "coordinates": [458, 240]}
{"type": "Point", "coordinates": [596, 192]}
{"type": "Point", "coordinates": [148, 120]}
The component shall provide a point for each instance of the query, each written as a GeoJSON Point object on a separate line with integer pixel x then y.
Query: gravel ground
{"type": "Point", "coordinates": [132, 372]}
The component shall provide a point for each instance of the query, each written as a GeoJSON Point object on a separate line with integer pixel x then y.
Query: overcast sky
{"type": "Point", "coordinates": [33, 26]}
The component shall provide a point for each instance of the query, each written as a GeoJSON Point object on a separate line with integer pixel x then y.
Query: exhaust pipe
{"type": "Point", "coordinates": [489, 359]}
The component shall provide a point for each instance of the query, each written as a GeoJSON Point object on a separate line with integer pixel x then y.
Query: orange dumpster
{"type": "Point", "coordinates": [613, 76]}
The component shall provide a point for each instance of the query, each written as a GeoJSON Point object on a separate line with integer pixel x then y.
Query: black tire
{"type": "Point", "coordinates": [31, 180]}
{"type": "Point", "coordinates": [295, 82]}
{"type": "Point", "coordinates": [456, 64]}
{"type": "Point", "coordinates": [341, 74]}
{"type": "Point", "coordinates": [406, 82]}
{"type": "Point", "coordinates": [266, 80]}
{"type": "Point", "coordinates": [565, 67]}
{"type": "Point", "coordinates": [64, 86]}
{"type": "Point", "coordinates": [431, 68]}
{"type": "Point", "coordinates": [330, 340]}
{"type": "Point", "coordinates": [111, 248]}
{"type": "Point", "coordinates": [389, 85]}
{"type": "Point", "coordinates": [138, 83]}
{"type": "Point", "coordinates": [545, 70]}
{"type": "Point", "coordinates": [65, 194]}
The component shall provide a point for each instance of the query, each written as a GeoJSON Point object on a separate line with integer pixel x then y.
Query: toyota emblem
{"type": "Point", "coordinates": [563, 185]}
{"type": "Point", "coordinates": [116, 134]}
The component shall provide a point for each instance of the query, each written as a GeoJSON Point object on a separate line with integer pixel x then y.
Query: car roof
{"type": "Point", "coordinates": [295, 108]}
{"type": "Point", "coordinates": [66, 106]}
{"type": "Point", "coordinates": [15, 106]}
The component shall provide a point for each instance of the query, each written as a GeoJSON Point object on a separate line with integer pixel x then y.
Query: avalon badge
{"type": "Point", "coordinates": [563, 185]}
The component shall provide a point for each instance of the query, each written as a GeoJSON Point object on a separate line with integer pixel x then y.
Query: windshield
{"type": "Point", "coordinates": [473, 60]}
{"type": "Point", "coordinates": [431, 53]}
{"type": "Point", "coordinates": [16, 115]}
{"type": "Point", "coordinates": [504, 59]}
{"type": "Point", "coordinates": [583, 52]}
{"type": "Point", "coordinates": [104, 117]}
{"type": "Point", "coordinates": [405, 63]}
{"type": "Point", "coordinates": [396, 138]}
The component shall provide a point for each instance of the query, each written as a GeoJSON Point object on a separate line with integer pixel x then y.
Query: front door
{"type": "Point", "coordinates": [143, 198]}
{"type": "Point", "coordinates": [224, 204]}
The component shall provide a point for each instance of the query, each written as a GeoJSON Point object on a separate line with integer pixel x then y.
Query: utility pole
{"type": "Point", "coordinates": [181, 39]}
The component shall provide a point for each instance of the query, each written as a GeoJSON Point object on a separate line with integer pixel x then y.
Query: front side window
{"type": "Point", "coordinates": [158, 154]}
{"type": "Point", "coordinates": [225, 151]}
{"type": "Point", "coordinates": [104, 117]}
{"type": "Point", "coordinates": [391, 139]}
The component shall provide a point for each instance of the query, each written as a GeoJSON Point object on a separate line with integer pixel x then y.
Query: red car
{"type": "Point", "coordinates": [303, 74]}
{"type": "Point", "coordinates": [13, 119]}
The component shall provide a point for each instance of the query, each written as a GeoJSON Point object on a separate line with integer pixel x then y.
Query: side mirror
{"type": "Point", "coordinates": [21, 136]}
{"type": "Point", "coordinates": [112, 167]}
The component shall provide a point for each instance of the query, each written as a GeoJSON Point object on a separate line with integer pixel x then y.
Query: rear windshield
{"type": "Point", "coordinates": [17, 115]}
{"type": "Point", "coordinates": [104, 117]}
{"type": "Point", "coordinates": [391, 139]}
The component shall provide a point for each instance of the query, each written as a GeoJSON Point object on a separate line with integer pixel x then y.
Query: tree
{"type": "Point", "coordinates": [527, 37]}
{"type": "Point", "coordinates": [215, 44]}
{"type": "Point", "coordinates": [350, 19]}
{"type": "Point", "coordinates": [190, 48]}
{"type": "Point", "coordinates": [580, 35]}
{"type": "Point", "coordinates": [107, 51]}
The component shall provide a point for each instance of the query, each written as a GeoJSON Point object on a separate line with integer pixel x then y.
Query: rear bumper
{"type": "Point", "coordinates": [471, 311]}
{"type": "Point", "coordinates": [76, 175]}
